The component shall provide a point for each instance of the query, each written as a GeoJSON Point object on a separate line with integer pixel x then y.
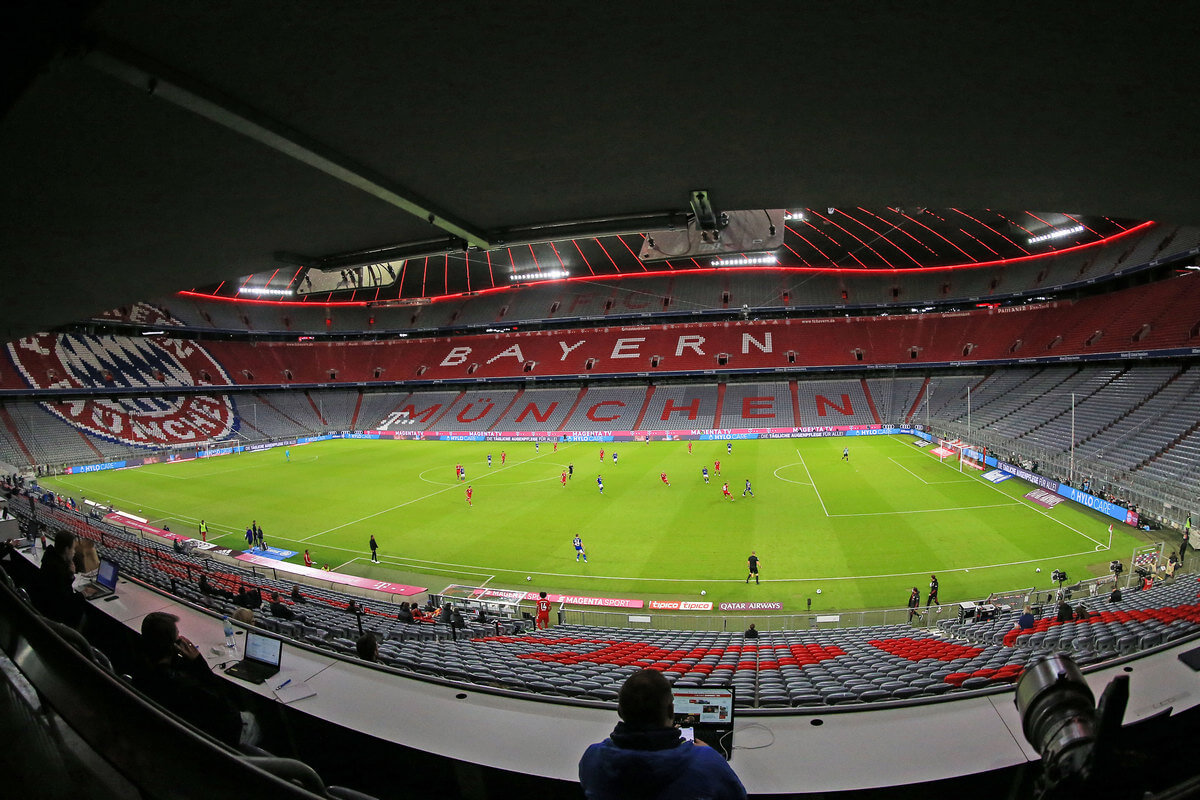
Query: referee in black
{"type": "Point", "coordinates": [752, 565]}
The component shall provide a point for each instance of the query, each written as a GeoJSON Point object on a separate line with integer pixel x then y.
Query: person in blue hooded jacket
{"type": "Point", "coordinates": [644, 757]}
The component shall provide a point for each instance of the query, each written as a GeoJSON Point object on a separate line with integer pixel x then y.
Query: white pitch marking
{"type": "Point", "coordinates": [789, 480]}
{"type": "Point", "coordinates": [407, 503]}
{"type": "Point", "coordinates": [813, 483]}
{"type": "Point", "coordinates": [925, 510]}
{"type": "Point", "coordinates": [994, 487]}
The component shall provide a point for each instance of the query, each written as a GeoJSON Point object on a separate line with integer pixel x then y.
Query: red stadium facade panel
{"type": "Point", "coordinates": [1159, 316]}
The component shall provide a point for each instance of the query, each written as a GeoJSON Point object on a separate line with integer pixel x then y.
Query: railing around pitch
{"type": "Point", "coordinates": [766, 621]}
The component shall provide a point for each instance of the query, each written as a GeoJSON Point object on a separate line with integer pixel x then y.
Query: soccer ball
{"type": "Point", "coordinates": [528, 577]}
{"type": "Point", "coordinates": [703, 592]}
{"type": "Point", "coordinates": [818, 591]}
{"type": "Point", "coordinates": [1039, 569]}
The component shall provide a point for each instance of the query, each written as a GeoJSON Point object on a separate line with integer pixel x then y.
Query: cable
{"type": "Point", "coordinates": [757, 746]}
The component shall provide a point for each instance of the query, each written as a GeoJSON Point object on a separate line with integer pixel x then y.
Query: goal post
{"type": "Point", "coordinates": [1144, 563]}
{"type": "Point", "coordinates": [965, 454]}
{"type": "Point", "coordinates": [971, 456]}
{"type": "Point", "coordinates": [505, 602]}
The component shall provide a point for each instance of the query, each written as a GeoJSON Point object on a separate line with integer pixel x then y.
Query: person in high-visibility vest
{"type": "Point", "coordinates": [203, 531]}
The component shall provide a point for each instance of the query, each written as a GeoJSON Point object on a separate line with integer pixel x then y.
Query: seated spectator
{"type": "Point", "coordinates": [297, 597]}
{"type": "Point", "coordinates": [352, 607]}
{"type": "Point", "coordinates": [751, 632]}
{"type": "Point", "coordinates": [174, 675]}
{"type": "Point", "coordinates": [1115, 597]}
{"type": "Point", "coordinates": [367, 647]}
{"type": "Point", "coordinates": [177, 546]}
{"type": "Point", "coordinates": [456, 622]}
{"type": "Point", "coordinates": [644, 756]}
{"type": "Point", "coordinates": [404, 614]}
{"type": "Point", "coordinates": [1081, 612]}
{"type": "Point", "coordinates": [244, 616]}
{"type": "Point", "coordinates": [215, 591]}
{"type": "Point", "coordinates": [481, 618]}
{"type": "Point", "coordinates": [1065, 614]}
{"type": "Point", "coordinates": [417, 614]}
{"type": "Point", "coordinates": [254, 598]}
{"type": "Point", "coordinates": [278, 609]}
{"type": "Point", "coordinates": [51, 591]}
{"type": "Point", "coordinates": [1026, 621]}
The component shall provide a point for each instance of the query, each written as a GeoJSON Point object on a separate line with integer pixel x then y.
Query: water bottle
{"type": "Point", "coordinates": [228, 632]}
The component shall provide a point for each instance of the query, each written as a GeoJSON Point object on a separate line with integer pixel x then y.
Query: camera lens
{"type": "Point", "coordinates": [1057, 711]}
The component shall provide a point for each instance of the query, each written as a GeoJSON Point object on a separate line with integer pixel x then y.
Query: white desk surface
{"type": "Point", "coordinates": [849, 750]}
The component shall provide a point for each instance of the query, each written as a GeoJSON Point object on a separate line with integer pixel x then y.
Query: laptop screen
{"type": "Point", "coordinates": [709, 712]}
{"type": "Point", "coordinates": [263, 648]}
{"type": "Point", "coordinates": [107, 574]}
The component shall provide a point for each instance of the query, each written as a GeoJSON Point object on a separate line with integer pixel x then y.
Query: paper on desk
{"type": "Point", "coordinates": [296, 690]}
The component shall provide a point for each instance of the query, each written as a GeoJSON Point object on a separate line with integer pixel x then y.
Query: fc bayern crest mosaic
{"type": "Point", "coordinates": [157, 418]}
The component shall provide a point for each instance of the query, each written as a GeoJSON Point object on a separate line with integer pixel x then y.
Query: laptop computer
{"type": "Point", "coordinates": [707, 715]}
{"type": "Point", "coordinates": [261, 660]}
{"type": "Point", "coordinates": [105, 583]}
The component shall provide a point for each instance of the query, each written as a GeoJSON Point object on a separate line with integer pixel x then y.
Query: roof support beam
{"type": "Point", "coordinates": [162, 82]}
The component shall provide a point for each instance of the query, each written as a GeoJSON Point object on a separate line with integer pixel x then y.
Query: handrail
{"type": "Point", "coordinates": [125, 729]}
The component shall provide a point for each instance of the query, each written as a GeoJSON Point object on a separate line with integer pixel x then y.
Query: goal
{"type": "Point", "coordinates": [967, 454]}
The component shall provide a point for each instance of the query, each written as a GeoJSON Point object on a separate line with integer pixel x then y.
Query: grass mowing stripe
{"type": "Point", "coordinates": [644, 539]}
{"type": "Point", "coordinates": [1044, 513]}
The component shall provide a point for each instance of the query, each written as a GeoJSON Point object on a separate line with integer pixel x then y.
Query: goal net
{"type": "Point", "coordinates": [1144, 563]}
{"type": "Point", "coordinates": [967, 455]}
{"type": "Point", "coordinates": [493, 601]}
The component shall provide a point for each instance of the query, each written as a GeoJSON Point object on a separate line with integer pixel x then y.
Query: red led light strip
{"type": "Point", "coordinates": [714, 270]}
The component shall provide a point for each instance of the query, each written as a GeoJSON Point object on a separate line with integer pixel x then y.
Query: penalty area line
{"type": "Point", "coordinates": [813, 483]}
{"type": "Point", "coordinates": [1019, 501]}
{"type": "Point", "coordinates": [924, 510]}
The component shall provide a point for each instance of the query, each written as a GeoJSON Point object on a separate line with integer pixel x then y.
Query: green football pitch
{"type": "Point", "coordinates": [862, 531]}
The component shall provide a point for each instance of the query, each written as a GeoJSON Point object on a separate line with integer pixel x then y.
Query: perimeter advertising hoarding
{"type": "Point", "coordinates": [1071, 493]}
{"type": "Point", "coordinates": [1031, 477]}
{"type": "Point", "coordinates": [679, 605]}
{"type": "Point", "coordinates": [752, 606]}
{"type": "Point", "coordinates": [576, 600]}
{"type": "Point", "coordinates": [1103, 506]}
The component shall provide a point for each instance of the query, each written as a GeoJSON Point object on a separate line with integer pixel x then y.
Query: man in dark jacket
{"type": "Point", "coordinates": [278, 609]}
{"type": "Point", "coordinates": [644, 757]}
{"type": "Point", "coordinates": [52, 591]}
{"type": "Point", "coordinates": [174, 674]}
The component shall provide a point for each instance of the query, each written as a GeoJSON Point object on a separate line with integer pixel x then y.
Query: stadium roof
{"type": "Point", "coordinates": [155, 147]}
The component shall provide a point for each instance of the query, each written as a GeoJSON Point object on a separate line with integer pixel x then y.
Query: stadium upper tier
{"type": "Point", "coordinates": [1163, 316]}
{"type": "Point", "coordinates": [429, 293]}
